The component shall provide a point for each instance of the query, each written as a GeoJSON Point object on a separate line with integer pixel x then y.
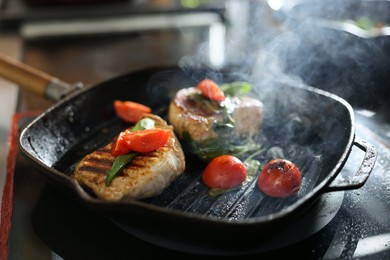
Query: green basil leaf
{"type": "Point", "coordinates": [204, 103]}
{"type": "Point", "coordinates": [145, 123]}
{"type": "Point", "coordinates": [236, 88]}
{"type": "Point", "coordinates": [122, 160]}
{"type": "Point", "coordinates": [119, 163]}
{"type": "Point", "coordinates": [213, 192]}
{"type": "Point", "coordinates": [252, 167]}
{"type": "Point", "coordinates": [210, 148]}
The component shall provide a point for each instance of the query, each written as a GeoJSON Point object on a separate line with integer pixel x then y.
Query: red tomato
{"type": "Point", "coordinates": [224, 172]}
{"type": "Point", "coordinates": [119, 147]}
{"type": "Point", "coordinates": [280, 178]}
{"type": "Point", "coordinates": [148, 140]}
{"type": "Point", "coordinates": [211, 90]}
{"type": "Point", "coordinates": [130, 111]}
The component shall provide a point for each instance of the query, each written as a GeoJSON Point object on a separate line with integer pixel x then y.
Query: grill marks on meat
{"type": "Point", "coordinates": [185, 116]}
{"type": "Point", "coordinates": [147, 175]}
{"type": "Point", "coordinates": [98, 162]}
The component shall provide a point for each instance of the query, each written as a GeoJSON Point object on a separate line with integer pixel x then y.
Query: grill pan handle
{"type": "Point", "coordinates": [34, 80]}
{"type": "Point", "coordinates": [361, 176]}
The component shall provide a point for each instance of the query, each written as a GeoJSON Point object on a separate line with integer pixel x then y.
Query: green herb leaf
{"type": "Point", "coordinates": [213, 147]}
{"type": "Point", "coordinates": [236, 88]}
{"type": "Point", "coordinates": [145, 123]}
{"type": "Point", "coordinates": [122, 160]}
{"type": "Point", "coordinates": [213, 192]}
{"type": "Point", "coordinates": [252, 166]}
{"type": "Point", "coordinates": [205, 103]}
{"type": "Point", "coordinates": [119, 163]}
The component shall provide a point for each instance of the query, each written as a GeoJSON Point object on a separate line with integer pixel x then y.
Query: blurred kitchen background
{"type": "Point", "coordinates": [90, 41]}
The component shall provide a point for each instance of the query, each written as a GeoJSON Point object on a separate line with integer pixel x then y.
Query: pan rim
{"type": "Point", "coordinates": [95, 203]}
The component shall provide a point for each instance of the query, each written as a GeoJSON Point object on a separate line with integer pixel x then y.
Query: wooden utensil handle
{"type": "Point", "coordinates": [25, 76]}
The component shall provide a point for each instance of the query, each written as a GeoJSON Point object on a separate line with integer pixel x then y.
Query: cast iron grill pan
{"type": "Point", "coordinates": [313, 128]}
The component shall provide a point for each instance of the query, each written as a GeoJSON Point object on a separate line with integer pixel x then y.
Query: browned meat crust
{"type": "Point", "coordinates": [184, 116]}
{"type": "Point", "coordinates": [147, 175]}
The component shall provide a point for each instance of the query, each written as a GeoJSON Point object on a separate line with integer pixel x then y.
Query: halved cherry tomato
{"type": "Point", "coordinates": [148, 140]}
{"type": "Point", "coordinates": [211, 90]}
{"type": "Point", "coordinates": [280, 178]}
{"type": "Point", "coordinates": [224, 172]}
{"type": "Point", "coordinates": [130, 111]}
{"type": "Point", "coordinates": [119, 147]}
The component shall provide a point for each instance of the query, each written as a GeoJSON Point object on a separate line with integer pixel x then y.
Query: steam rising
{"type": "Point", "coordinates": [307, 41]}
{"type": "Point", "coordinates": [335, 58]}
{"type": "Point", "coordinates": [310, 128]}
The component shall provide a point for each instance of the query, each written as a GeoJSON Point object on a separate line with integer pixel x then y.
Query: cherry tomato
{"type": "Point", "coordinates": [211, 90]}
{"type": "Point", "coordinates": [280, 178]}
{"type": "Point", "coordinates": [130, 111]}
{"type": "Point", "coordinates": [224, 172]}
{"type": "Point", "coordinates": [148, 140]}
{"type": "Point", "coordinates": [119, 147]}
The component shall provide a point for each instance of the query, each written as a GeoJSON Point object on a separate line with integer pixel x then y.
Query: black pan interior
{"type": "Point", "coordinates": [314, 129]}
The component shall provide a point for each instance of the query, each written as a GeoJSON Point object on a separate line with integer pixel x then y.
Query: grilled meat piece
{"type": "Point", "coordinates": [147, 175]}
{"type": "Point", "coordinates": [185, 115]}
